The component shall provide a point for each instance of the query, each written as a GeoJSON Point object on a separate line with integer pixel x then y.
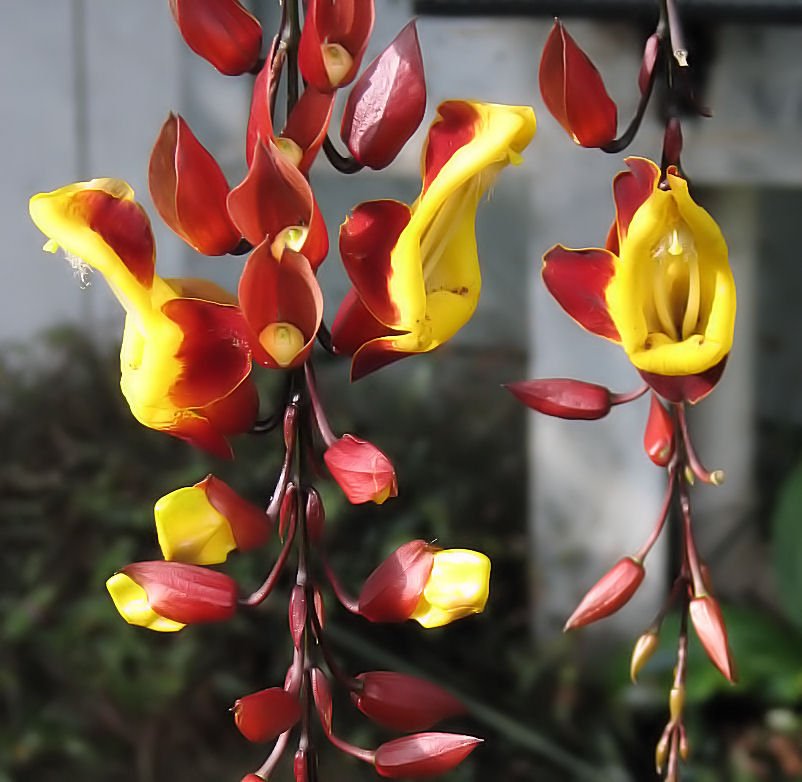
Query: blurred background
{"type": "Point", "coordinates": [86, 86]}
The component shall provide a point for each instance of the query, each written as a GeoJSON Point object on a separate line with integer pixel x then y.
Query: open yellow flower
{"type": "Point", "coordinates": [185, 360]}
{"type": "Point", "coordinates": [415, 269]}
{"type": "Point", "coordinates": [662, 288]}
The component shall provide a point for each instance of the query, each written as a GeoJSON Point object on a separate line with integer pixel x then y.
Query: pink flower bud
{"type": "Point", "coordinates": [658, 439]}
{"type": "Point", "coordinates": [650, 52]}
{"type": "Point", "coordinates": [297, 612]}
{"type": "Point", "coordinates": [220, 31]}
{"type": "Point", "coordinates": [563, 397]}
{"type": "Point", "coordinates": [263, 715]}
{"type": "Point", "coordinates": [403, 702]}
{"type": "Point", "coordinates": [423, 754]}
{"type": "Point", "coordinates": [392, 591]}
{"type": "Point", "coordinates": [612, 591]}
{"type": "Point", "coordinates": [574, 92]}
{"type": "Point", "coordinates": [387, 103]}
{"type": "Point", "coordinates": [709, 625]}
{"type": "Point", "coordinates": [189, 190]}
{"type": "Point", "coordinates": [362, 470]}
{"type": "Point", "coordinates": [315, 516]}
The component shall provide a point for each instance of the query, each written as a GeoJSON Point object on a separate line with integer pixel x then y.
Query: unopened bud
{"type": "Point", "coordinates": [315, 515]}
{"type": "Point", "coordinates": [321, 691]}
{"type": "Point", "coordinates": [610, 593]}
{"type": "Point", "coordinates": [650, 51]}
{"type": "Point", "coordinates": [297, 612]}
{"type": "Point", "coordinates": [661, 751]}
{"type": "Point", "coordinates": [658, 438]}
{"type": "Point", "coordinates": [709, 624]}
{"type": "Point", "coordinates": [563, 397]}
{"type": "Point", "coordinates": [684, 749]}
{"type": "Point", "coordinates": [645, 647]}
{"type": "Point", "coordinates": [676, 703]}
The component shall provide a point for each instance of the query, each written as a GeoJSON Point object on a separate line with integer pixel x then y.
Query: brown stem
{"type": "Point", "coordinates": [322, 421]}
{"type": "Point", "coordinates": [260, 594]}
{"type": "Point", "coordinates": [661, 519]}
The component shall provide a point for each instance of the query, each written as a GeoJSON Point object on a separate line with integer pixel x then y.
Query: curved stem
{"type": "Point", "coordinates": [625, 139]}
{"type": "Point", "coordinates": [661, 519]}
{"type": "Point", "coordinates": [716, 477]}
{"type": "Point", "coordinates": [344, 164]}
{"type": "Point", "coordinates": [260, 594]}
{"type": "Point", "coordinates": [366, 755]}
{"type": "Point", "coordinates": [267, 768]}
{"type": "Point", "coordinates": [348, 602]}
{"type": "Point", "coordinates": [678, 48]}
{"type": "Point", "coordinates": [349, 682]}
{"type": "Point", "coordinates": [629, 396]}
{"type": "Point", "coordinates": [322, 422]}
{"type": "Point", "coordinates": [324, 338]}
{"type": "Point", "coordinates": [690, 546]}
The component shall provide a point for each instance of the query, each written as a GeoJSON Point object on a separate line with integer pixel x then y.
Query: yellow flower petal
{"type": "Point", "coordinates": [131, 601]}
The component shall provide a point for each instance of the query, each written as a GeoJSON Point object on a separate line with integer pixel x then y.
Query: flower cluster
{"type": "Point", "coordinates": [190, 349]}
{"type": "Point", "coordinates": [661, 288]}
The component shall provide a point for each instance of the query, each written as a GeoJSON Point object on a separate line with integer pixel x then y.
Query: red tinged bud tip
{"type": "Point", "coordinates": [423, 754]}
{"type": "Point", "coordinates": [574, 92]}
{"type": "Point", "coordinates": [709, 625]}
{"type": "Point", "coordinates": [263, 715]}
{"type": "Point", "coordinates": [363, 472]}
{"type": "Point", "coordinates": [321, 692]}
{"type": "Point", "coordinates": [297, 613]}
{"type": "Point", "coordinates": [252, 778]}
{"type": "Point", "coordinates": [189, 190]}
{"type": "Point", "coordinates": [387, 103]}
{"type": "Point", "coordinates": [402, 702]}
{"type": "Point", "coordinates": [611, 592]}
{"type": "Point", "coordinates": [220, 31]}
{"type": "Point", "coordinates": [650, 52]}
{"type": "Point", "coordinates": [658, 439]}
{"type": "Point", "coordinates": [563, 397]}
{"type": "Point", "coordinates": [315, 516]}
{"type": "Point", "coordinates": [392, 591]}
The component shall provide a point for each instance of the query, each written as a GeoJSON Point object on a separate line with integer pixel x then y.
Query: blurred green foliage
{"type": "Point", "coordinates": [85, 696]}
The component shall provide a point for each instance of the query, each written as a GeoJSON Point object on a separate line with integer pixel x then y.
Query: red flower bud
{"type": "Point", "coordinates": [392, 591]}
{"type": "Point", "coordinates": [300, 766]}
{"type": "Point", "coordinates": [220, 31]}
{"type": "Point", "coordinates": [574, 92]}
{"type": "Point", "coordinates": [174, 590]}
{"type": "Point", "coordinates": [189, 190]}
{"type": "Point", "coordinates": [315, 515]}
{"type": "Point", "coordinates": [709, 625]}
{"type": "Point", "coordinates": [658, 439]}
{"type": "Point", "coordinates": [650, 52]}
{"type": "Point", "coordinates": [334, 38]}
{"type": "Point", "coordinates": [563, 397]}
{"type": "Point", "coordinates": [423, 754]}
{"type": "Point", "coordinates": [403, 702]}
{"type": "Point", "coordinates": [321, 691]}
{"type": "Point", "coordinates": [387, 103]}
{"type": "Point", "coordinates": [263, 715]}
{"type": "Point", "coordinates": [252, 778]}
{"type": "Point", "coordinates": [672, 142]}
{"type": "Point", "coordinates": [362, 470]}
{"type": "Point", "coordinates": [612, 591]}
{"type": "Point", "coordinates": [297, 614]}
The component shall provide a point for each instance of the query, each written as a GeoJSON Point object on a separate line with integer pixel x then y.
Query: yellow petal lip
{"type": "Point", "coordinates": [435, 279]}
{"type": "Point", "coordinates": [458, 586]}
{"type": "Point", "coordinates": [190, 529]}
{"type": "Point", "coordinates": [131, 601]}
{"type": "Point", "coordinates": [672, 297]}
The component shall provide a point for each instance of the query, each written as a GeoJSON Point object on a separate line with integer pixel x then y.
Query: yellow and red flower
{"type": "Point", "coordinates": [662, 288]}
{"type": "Point", "coordinates": [415, 270]}
{"type": "Point", "coordinates": [185, 361]}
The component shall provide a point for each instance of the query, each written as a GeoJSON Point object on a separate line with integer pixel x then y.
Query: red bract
{"type": "Point", "coordinates": [387, 103]}
{"type": "Point", "coordinates": [185, 593]}
{"type": "Point", "coordinates": [658, 439]}
{"type": "Point", "coordinates": [275, 203]}
{"type": "Point", "coordinates": [263, 715]}
{"type": "Point", "coordinates": [321, 692]}
{"type": "Point", "coordinates": [189, 190]}
{"type": "Point", "coordinates": [220, 31]}
{"type": "Point", "coordinates": [364, 473]}
{"type": "Point", "coordinates": [249, 524]}
{"type": "Point", "coordinates": [306, 126]}
{"type": "Point", "coordinates": [392, 591]}
{"type": "Point", "coordinates": [283, 306]}
{"type": "Point", "coordinates": [650, 52]}
{"type": "Point", "coordinates": [709, 625]}
{"type": "Point", "coordinates": [297, 614]}
{"type": "Point", "coordinates": [334, 38]}
{"type": "Point", "coordinates": [563, 397]}
{"type": "Point", "coordinates": [574, 92]}
{"type": "Point", "coordinates": [403, 702]}
{"type": "Point", "coordinates": [610, 593]}
{"type": "Point", "coordinates": [423, 754]}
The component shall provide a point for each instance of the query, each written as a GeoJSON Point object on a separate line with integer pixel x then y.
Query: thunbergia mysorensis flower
{"type": "Point", "coordinates": [334, 38]}
{"type": "Point", "coordinates": [415, 270]}
{"type": "Point", "coordinates": [185, 360]}
{"type": "Point", "coordinates": [430, 585]}
{"type": "Point", "coordinates": [662, 288]}
{"type": "Point", "coordinates": [189, 190]}
{"type": "Point", "coordinates": [201, 524]}
{"type": "Point", "coordinates": [364, 473]}
{"type": "Point", "coordinates": [220, 31]}
{"type": "Point", "coordinates": [166, 596]}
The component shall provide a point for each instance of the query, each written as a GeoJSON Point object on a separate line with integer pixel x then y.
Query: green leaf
{"type": "Point", "coordinates": [787, 544]}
